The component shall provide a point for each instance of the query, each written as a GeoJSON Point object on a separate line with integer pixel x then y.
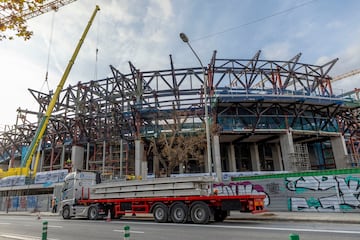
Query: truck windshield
{"type": "Point", "coordinates": [68, 184]}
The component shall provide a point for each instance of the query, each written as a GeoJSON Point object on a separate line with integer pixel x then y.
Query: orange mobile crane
{"type": "Point", "coordinates": [24, 169]}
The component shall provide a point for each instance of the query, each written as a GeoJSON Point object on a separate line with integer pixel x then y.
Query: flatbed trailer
{"type": "Point", "coordinates": [198, 209]}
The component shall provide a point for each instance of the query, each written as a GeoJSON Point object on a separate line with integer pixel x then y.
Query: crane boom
{"type": "Point", "coordinates": [25, 170]}
{"type": "Point", "coordinates": [30, 13]}
{"type": "Point", "coordinates": [346, 75]}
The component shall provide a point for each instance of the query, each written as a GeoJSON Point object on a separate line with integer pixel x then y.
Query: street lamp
{"type": "Point", "coordinates": [207, 129]}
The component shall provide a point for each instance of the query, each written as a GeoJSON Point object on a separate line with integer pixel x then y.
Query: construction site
{"type": "Point", "coordinates": [253, 114]}
{"type": "Point", "coordinates": [263, 115]}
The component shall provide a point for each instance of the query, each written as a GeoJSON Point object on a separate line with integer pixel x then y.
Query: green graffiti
{"type": "Point", "coordinates": [289, 204]}
{"type": "Point", "coordinates": [346, 207]}
{"type": "Point", "coordinates": [313, 202]}
{"type": "Point", "coordinates": [351, 178]}
{"type": "Point", "coordinates": [300, 190]}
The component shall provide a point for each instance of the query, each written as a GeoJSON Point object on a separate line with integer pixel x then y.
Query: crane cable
{"type": "Point", "coordinates": [261, 19]}
{"type": "Point", "coordinates": [97, 47]}
{"type": "Point", "coordinates": [49, 53]}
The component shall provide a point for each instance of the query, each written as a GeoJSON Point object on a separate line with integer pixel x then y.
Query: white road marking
{"type": "Point", "coordinates": [290, 229]}
{"type": "Point", "coordinates": [29, 225]}
{"type": "Point", "coordinates": [130, 231]}
{"type": "Point", "coordinates": [54, 226]}
{"type": "Point", "coordinates": [23, 237]}
{"type": "Point", "coordinates": [255, 228]}
{"type": "Point", "coordinates": [4, 223]}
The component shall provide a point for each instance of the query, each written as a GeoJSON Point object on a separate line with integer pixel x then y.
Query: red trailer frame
{"type": "Point", "coordinates": [198, 209]}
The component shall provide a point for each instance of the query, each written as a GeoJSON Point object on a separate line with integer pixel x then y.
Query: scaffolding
{"type": "Point", "coordinates": [301, 161]}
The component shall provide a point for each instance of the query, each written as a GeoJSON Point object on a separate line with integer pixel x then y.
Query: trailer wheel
{"type": "Point", "coordinates": [66, 212]}
{"type": "Point", "coordinates": [161, 213]}
{"type": "Point", "coordinates": [200, 213]}
{"type": "Point", "coordinates": [93, 213]}
{"type": "Point", "coordinates": [179, 212]}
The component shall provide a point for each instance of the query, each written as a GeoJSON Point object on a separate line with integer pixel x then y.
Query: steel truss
{"type": "Point", "coordinates": [247, 97]}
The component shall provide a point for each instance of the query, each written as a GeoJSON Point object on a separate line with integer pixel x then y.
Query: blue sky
{"type": "Point", "coordinates": [145, 32]}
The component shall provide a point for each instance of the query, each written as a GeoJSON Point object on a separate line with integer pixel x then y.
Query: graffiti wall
{"type": "Point", "coordinates": [318, 193]}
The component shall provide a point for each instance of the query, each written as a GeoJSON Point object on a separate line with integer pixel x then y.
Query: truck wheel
{"type": "Point", "coordinates": [161, 213]}
{"type": "Point", "coordinates": [93, 213]}
{"type": "Point", "coordinates": [66, 212]}
{"type": "Point", "coordinates": [179, 212]}
{"type": "Point", "coordinates": [220, 215]}
{"type": "Point", "coordinates": [200, 213]}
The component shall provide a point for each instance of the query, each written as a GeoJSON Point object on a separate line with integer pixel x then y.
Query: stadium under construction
{"type": "Point", "coordinates": [263, 115]}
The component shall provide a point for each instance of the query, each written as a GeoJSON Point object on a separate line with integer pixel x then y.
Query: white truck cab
{"type": "Point", "coordinates": [76, 186]}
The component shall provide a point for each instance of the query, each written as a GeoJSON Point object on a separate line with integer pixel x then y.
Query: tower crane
{"type": "Point", "coordinates": [28, 13]}
{"type": "Point", "coordinates": [355, 91]}
{"type": "Point", "coordinates": [345, 75]}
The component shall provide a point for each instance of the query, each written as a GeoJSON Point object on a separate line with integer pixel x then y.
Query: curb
{"type": "Point", "coordinates": [268, 216]}
{"type": "Point", "coordinates": [299, 217]}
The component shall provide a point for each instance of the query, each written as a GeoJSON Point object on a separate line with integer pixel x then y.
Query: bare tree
{"type": "Point", "coordinates": [176, 149]}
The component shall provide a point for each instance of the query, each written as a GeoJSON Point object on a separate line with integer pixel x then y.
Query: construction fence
{"type": "Point", "coordinates": [30, 203]}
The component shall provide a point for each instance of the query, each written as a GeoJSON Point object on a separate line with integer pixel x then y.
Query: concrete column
{"type": "Point", "coordinates": [206, 162]}
{"type": "Point", "coordinates": [144, 163]}
{"type": "Point", "coordinates": [144, 169]}
{"type": "Point", "coordinates": [339, 151]}
{"type": "Point", "coordinates": [77, 157]}
{"type": "Point", "coordinates": [51, 158]}
{"type": "Point", "coordinates": [181, 168]}
{"type": "Point", "coordinates": [287, 150]}
{"type": "Point", "coordinates": [156, 165]}
{"type": "Point", "coordinates": [62, 157]}
{"type": "Point", "coordinates": [276, 155]}
{"type": "Point", "coordinates": [255, 159]}
{"type": "Point", "coordinates": [104, 157]}
{"type": "Point", "coordinates": [139, 148]}
{"type": "Point", "coordinates": [87, 156]}
{"type": "Point", "coordinates": [42, 159]}
{"type": "Point", "coordinates": [217, 158]}
{"type": "Point", "coordinates": [231, 157]}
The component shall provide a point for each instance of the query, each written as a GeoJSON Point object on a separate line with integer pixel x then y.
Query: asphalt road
{"type": "Point", "coordinates": [28, 228]}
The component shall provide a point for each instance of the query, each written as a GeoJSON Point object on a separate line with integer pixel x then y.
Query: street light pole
{"type": "Point", "coordinates": [185, 39]}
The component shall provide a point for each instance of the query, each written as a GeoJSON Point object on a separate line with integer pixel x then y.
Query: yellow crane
{"type": "Point", "coordinates": [24, 170]}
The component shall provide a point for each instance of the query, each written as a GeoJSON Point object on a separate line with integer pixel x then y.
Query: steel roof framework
{"type": "Point", "coordinates": [143, 104]}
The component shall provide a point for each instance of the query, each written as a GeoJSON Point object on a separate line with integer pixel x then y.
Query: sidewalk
{"type": "Point", "coordinates": [298, 216]}
{"type": "Point", "coordinates": [234, 215]}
